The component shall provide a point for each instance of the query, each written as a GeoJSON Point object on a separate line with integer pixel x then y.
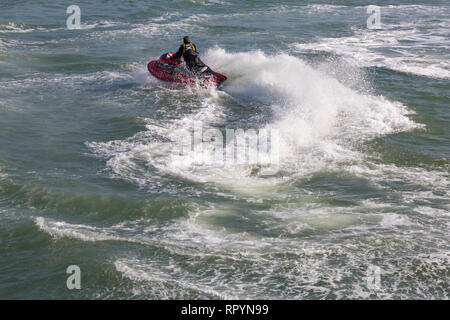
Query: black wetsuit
{"type": "Point", "coordinates": [189, 53]}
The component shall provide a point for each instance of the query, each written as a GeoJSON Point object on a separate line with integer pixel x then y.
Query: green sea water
{"type": "Point", "coordinates": [359, 206]}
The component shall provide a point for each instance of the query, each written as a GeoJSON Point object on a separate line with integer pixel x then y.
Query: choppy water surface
{"type": "Point", "coordinates": [88, 175]}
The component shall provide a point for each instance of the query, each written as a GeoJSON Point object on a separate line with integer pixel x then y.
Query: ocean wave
{"type": "Point", "coordinates": [59, 229]}
{"type": "Point", "coordinates": [400, 47]}
{"type": "Point", "coordinates": [15, 27]}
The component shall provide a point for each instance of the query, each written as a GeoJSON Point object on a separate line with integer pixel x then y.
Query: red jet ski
{"type": "Point", "coordinates": [176, 71]}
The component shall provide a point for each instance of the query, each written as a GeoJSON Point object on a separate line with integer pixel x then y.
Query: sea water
{"type": "Point", "coordinates": [357, 206]}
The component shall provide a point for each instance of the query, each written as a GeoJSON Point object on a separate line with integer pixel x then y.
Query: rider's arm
{"type": "Point", "coordinates": [179, 54]}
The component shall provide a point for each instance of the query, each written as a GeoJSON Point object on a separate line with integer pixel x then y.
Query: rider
{"type": "Point", "coordinates": [189, 53]}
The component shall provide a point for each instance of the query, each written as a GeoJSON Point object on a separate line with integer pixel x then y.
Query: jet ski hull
{"type": "Point", "coordinates": [173, 71]}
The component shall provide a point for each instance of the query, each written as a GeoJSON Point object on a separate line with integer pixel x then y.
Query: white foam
{"type": "Point", "coordinates": [13, 27]}
{"type": "Point", "coordinates": [101, 24]}
{"type": "Point", "coordinates": [162, 281]}
{"type": "Point", "coordinates": [36, 80]}
{"type": "Point", "coordinates": [385, 48]}
{"type": "Point", "coordinates": [150, 28]}
{"type": "Point", "coordinates": [325, 7]}
{"type": "Point", "coordinates": [316, 115]}
{"type": "Point", "coordinates": [167, 16]}
{"type": "Point", "coordinates": [390, 220]}
{"type": "Point", "coordinates": [208, 2]}
{"type": "Point", "coordinates": [60, 229]}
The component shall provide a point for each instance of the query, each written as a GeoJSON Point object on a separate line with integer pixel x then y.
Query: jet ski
{"type": "Point", "coordinates": [176, 71]}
